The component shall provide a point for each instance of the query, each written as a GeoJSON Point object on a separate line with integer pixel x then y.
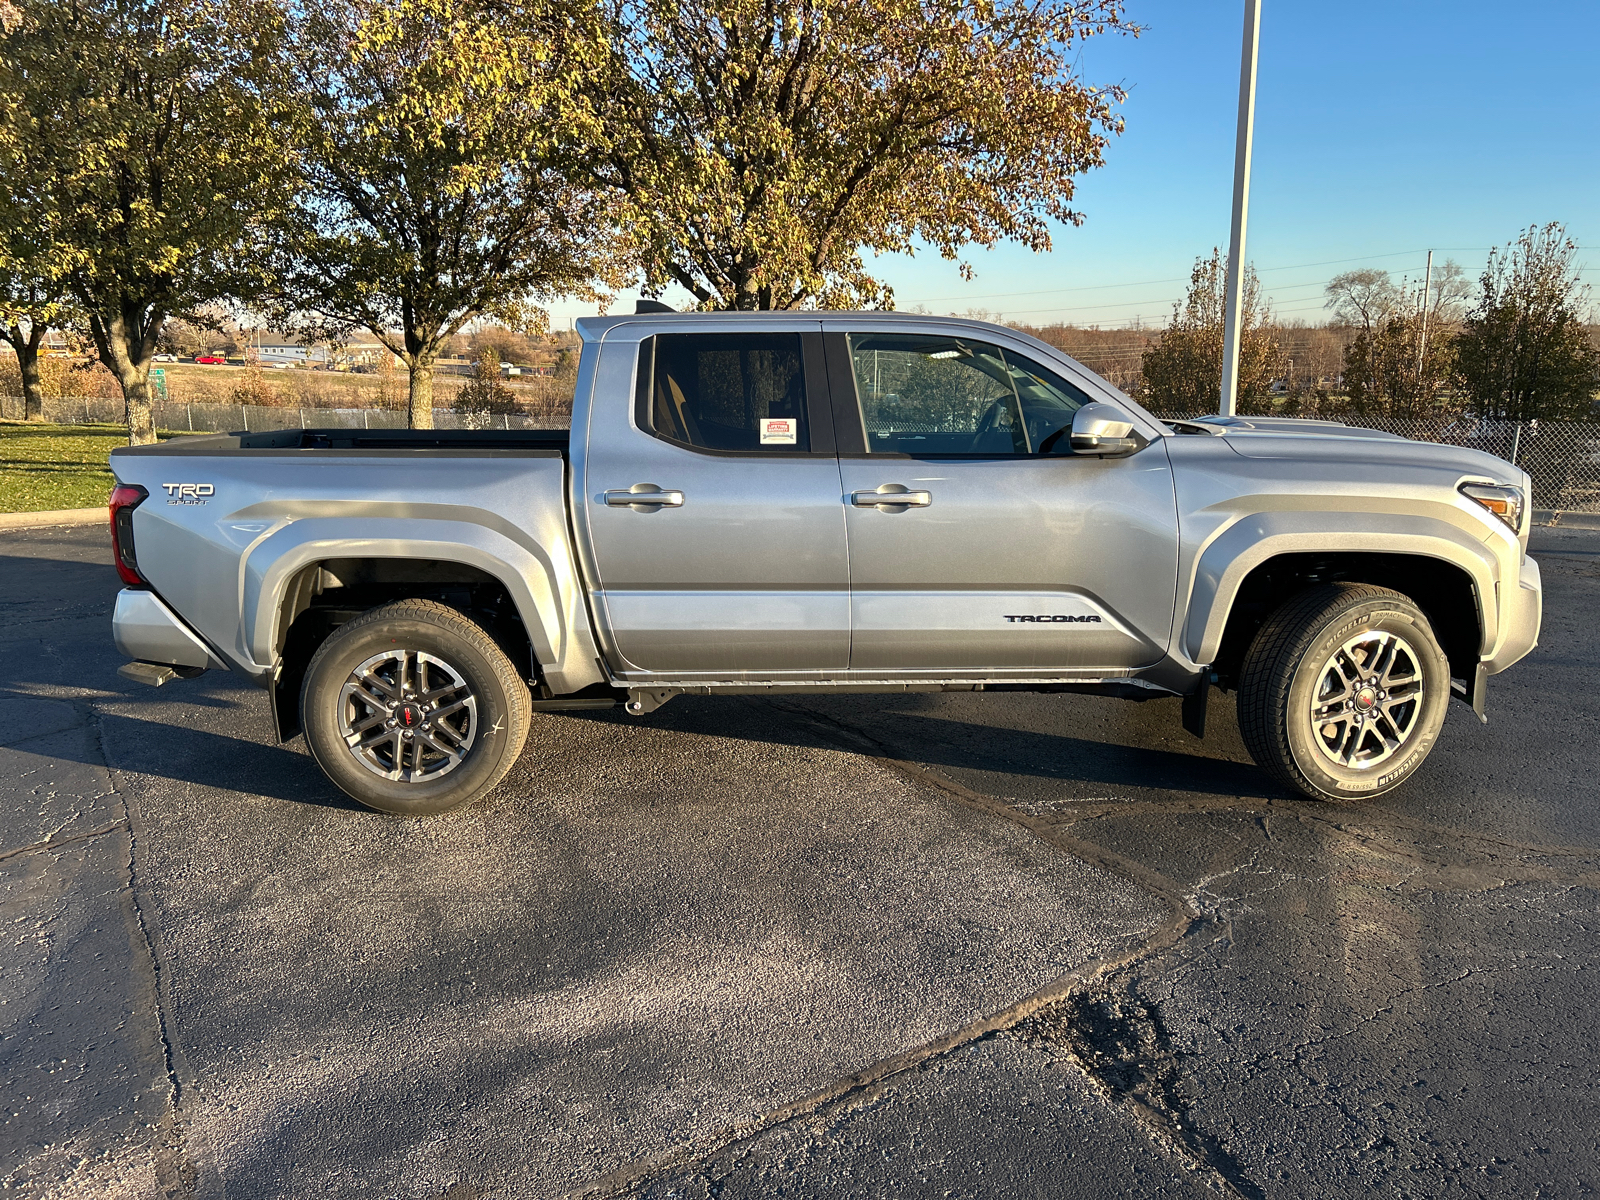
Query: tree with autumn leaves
{"type": "Point", "coordinates": [140, 159]}
{"type": "Point", "coordinates": [445, 149]}
{"type": "Point", "coordinates": [1183, 370]}
{"type": "Point", "coordinates": [763, 148]}
{"type": "Point", "coordinates": [409, 166]}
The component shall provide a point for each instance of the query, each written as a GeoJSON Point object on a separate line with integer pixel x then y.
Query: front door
{"type": "Point", "coordinates": [1008, 554]}
{"type": "Point", "coordinates": [713, 510]}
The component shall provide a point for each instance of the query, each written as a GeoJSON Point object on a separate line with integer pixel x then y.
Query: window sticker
{"type": "Point", "coordinates": [779, 431]}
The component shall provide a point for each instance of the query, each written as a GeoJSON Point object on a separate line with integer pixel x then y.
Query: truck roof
{"type": "Point", "coordinates": [595, 328]}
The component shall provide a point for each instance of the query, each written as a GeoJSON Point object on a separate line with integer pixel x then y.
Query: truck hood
{"type": "Point", "coordinates": [1330, 442]}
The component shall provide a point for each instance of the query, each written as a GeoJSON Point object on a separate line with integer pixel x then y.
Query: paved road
{"type": "Point", "coordinates": [997, 945]}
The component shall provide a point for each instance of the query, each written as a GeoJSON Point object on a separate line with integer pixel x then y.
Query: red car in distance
{"type": "Point", "coordinates": [210, 360]}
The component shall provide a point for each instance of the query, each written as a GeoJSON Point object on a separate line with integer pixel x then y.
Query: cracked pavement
{"type": "Point", "coordinates": [965, 945]}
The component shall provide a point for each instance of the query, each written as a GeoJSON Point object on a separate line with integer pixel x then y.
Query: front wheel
{"type": "Point", "coordinates": [1343, 692]}
{"type": "Point", "coordinates": [412, 709]}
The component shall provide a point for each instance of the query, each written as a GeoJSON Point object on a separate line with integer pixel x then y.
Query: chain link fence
{"type": "Point", "coordinates": [1562, 457]}
{"type": "Point", "coordinates": [255, 418]}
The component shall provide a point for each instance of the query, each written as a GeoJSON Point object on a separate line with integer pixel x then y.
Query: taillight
{"type": "Point", "coordinates": [125, 497]}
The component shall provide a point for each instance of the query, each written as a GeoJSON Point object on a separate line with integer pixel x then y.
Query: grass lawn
{"type": "Point", "coordinates": [56, 466]}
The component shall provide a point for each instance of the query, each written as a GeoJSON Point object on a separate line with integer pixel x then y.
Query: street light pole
{"type": "Point", "coordinates": [1234, 314]}
{"type": "Point", "coordinates": [1422, 342]}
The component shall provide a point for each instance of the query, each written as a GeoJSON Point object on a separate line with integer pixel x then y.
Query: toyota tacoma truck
{"type": "Point", "coordinates": [824, 503]}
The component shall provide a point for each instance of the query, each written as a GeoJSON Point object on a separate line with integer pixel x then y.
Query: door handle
{"type": "Point", "coordinates": [891, 495]}
{"type": "Point", "coordinates": [643, 496]}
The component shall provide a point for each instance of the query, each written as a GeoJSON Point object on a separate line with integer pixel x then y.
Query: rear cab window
{"type": "Point", "coordinates": [740, 393]}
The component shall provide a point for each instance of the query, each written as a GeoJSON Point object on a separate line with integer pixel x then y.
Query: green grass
{"type": "Point", "coordinates": [45, 467]}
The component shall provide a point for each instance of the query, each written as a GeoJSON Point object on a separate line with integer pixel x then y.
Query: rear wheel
{"type": "Point", "coordinates": [412, 709]}
{"type": "Point", "coordinates": [1343, 692]}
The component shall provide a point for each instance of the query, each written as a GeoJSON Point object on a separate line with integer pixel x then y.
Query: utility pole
{"type": "Point", "coordinates": [1234, 316]}
{"type": "Point", "coordinates": [1422, 342]}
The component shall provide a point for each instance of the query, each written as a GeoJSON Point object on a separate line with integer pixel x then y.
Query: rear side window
{"type": "Point", "coordinates": [732, 392]}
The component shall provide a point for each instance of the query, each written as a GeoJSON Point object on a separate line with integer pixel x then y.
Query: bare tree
{"type": "Point", "coordinates": [1362, 298]}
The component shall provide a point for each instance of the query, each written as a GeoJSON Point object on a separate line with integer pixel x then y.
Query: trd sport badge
{"type": "Point", "coordinates": [189, 493]}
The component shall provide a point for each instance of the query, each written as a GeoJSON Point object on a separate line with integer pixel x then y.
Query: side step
{"type": "Point", "coordinates": [156, 674]}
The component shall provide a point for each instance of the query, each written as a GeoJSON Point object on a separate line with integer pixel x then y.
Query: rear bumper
{"type": "Point", "coordinates": [147, 630]}
{"type": "Point", "coordinates": [1522, 609]}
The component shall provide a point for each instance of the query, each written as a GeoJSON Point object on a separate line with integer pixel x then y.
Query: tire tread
{"type": "Point", "coordinates": [519, 710]}
{"type": "Point", "coordinates": [1264, 683]}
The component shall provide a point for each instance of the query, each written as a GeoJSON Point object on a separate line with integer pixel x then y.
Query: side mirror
{"type": "Point", "coordinates": [1104, 430]}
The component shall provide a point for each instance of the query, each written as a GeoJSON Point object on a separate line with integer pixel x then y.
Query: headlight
{"type": "Point", "coordinates": [1503, 500]}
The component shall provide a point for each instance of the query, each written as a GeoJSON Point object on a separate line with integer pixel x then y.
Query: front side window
{"type": "Point", "coordinates": [731, 392]}
{"type": "Point", "coordinates": [951, 395]}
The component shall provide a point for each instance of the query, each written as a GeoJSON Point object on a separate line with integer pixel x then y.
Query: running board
{"type": "Point", "coordinates": [571, 705]}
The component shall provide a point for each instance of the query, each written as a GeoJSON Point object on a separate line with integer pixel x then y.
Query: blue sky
{"type": "Point", "coordinates": [1381, 130]}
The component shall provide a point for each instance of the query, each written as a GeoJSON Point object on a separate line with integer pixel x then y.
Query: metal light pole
{"type": "Point", "coordinates": [1234, 314]}
{"type": "Point", "coordinates": [1422, 342]}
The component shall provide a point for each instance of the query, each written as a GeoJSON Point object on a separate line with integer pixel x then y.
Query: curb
{"type": "Point", "coordinates": [1566, 520]}
{"type": "Point", "coordinates": [59, 516]}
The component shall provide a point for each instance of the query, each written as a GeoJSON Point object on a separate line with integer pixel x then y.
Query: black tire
{"type": "Point", "coordinates": [1362, 741]}
{"type": "Point", "coordinates": [456, 751]}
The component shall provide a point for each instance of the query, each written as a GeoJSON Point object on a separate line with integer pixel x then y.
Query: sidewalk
{"type": "Point", "coordinates": [56, 516]}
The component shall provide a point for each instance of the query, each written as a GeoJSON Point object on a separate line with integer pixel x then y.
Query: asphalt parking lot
{"type": "Point", "coordinates": [961, 945]}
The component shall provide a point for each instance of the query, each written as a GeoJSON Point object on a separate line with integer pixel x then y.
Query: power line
{"type": "Point", "coordinates": [1163, 304]}
{"type": "Point", "coordinates": [1100, 287]}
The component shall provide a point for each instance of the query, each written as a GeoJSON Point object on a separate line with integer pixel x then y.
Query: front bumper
{"type": "Point", "coordinates": [1521, 610]}
{"type": "Point", "coordinates": [147, 630]}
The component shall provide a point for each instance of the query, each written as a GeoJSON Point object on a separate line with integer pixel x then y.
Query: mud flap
{"type": "Point", "coordinates": [286, 703]}
{"type": "Point", "coordinates": [1194, 707]}
{"type": "Point", "coordinates": [1475, 693]}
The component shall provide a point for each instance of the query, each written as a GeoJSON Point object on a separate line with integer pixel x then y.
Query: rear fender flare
{"type": "Point", "coordinates": [556, 625]}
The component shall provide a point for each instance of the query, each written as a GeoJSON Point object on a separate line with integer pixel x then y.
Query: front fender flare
{"type": "Point", "coordinates": [1243, 545]}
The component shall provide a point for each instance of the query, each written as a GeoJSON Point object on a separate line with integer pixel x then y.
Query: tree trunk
{"type": "Point", "coordinates": [126, 344]}
{"type": "Point", "coordinates": [141, 422]}
{"type": "Point", "coordinates": [27, 350]}
{"type": "Point", "coordinates": [32, 386]}
{"type": "Point", "coordinates": [420, 410]}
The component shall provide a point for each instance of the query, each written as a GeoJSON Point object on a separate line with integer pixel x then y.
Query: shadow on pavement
{"type": "Point", "coordinates": [213, 760]}
{"type": "Point", "coordinates": [949, 743]}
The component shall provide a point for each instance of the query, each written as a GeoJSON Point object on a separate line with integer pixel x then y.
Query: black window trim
{"type": "Point", "coordinates": [814, 379]}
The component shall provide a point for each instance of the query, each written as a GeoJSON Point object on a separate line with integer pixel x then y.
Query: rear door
{"type": "Point", "coordinates": [711, 496]}
{"type": "Point", "coordinates": [1010, 556]}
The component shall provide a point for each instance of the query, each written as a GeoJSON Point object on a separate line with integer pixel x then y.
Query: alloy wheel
{"type": "Point", "coordinates": [408, 716]}
{"type": "Point", "coordinates": [1366, 700]}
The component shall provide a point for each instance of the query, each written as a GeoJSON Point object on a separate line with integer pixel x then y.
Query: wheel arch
{"type": "Point", "coordinates": [1258, 564]}
{"type": "Point", "coordinates": [285, 583]}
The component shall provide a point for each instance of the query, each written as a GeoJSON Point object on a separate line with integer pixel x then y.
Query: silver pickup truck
{"type": "Point", "coordinates": [821, 502]}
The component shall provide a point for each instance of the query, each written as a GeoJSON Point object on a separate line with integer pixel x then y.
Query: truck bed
{"type": "Point", "coordinates": [383, 440]}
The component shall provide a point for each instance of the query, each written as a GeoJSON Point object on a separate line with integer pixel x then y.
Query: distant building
{"type": "Point", "coordinates": [367, 353]}
{"type": "Point", "coordinates": [279, 348]}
